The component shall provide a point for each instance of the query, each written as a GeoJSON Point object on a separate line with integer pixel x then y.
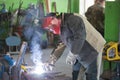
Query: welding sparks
{"type": "Point", "coordinates": [38, 69]}
{"type": "Point", "coordinates": [34, 34]}
{"type": "Point", "coordinates": [36, 58]}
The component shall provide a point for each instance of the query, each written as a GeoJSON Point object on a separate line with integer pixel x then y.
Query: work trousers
{"type": "Point", "coordinates": [90, 71]}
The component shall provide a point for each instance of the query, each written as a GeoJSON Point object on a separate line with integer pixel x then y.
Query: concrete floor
{"type": "Point", "coordinates": [60, 65]}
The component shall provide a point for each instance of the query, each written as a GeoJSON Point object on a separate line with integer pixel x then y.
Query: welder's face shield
{"type": "Point", "coordinates": [52, 24]}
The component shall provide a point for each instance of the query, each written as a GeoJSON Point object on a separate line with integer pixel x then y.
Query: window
{"type": "Point", "coordinates": [84, 4]}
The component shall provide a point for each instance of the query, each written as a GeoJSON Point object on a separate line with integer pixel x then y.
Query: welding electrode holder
{"type": "Point", "coordinates": [50, 64]}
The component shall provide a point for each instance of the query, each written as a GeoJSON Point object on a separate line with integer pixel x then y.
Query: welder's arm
{"type": "Point", "coordinates": [77, 39]}
{"type": "Point", "coordinates": [76, 46]}
{"type": "Point", "coordinates": [57, 52]}
{"type": "Point", "coordinates": [55, 55]}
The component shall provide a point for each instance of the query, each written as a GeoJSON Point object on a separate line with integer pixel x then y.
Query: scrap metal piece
{"type": "Point", "coordinates": [16, 70]}
{"type": "Point", "coordinates": [22, 54]}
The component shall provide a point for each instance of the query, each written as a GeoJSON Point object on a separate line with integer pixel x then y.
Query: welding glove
{"type": "Point", "coordinates": [71, 58]}
{"type": "Point", "coordinates": [49, 65]}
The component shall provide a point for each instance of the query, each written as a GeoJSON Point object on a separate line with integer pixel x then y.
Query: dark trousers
{"type": "Point", "coordinates": [90, 72]}
{"type": "Point", "coordinates": [76, 68]}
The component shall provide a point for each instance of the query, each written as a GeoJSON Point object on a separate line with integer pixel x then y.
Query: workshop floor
{"type": "Point", "coordinates": [60, 65]}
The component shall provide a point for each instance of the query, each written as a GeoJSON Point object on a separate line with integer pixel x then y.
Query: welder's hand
{"type": "Point", "coordinates": [71, 58]}
{"type": "Point", "coordinates": [48, 66]}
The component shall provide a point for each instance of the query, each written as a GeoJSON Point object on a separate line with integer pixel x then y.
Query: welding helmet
{"type": "Point", "coordinates": [52, 24]}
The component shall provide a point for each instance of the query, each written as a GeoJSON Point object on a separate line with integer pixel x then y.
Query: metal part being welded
{"type": "Point", "coordinates": [16, 70]}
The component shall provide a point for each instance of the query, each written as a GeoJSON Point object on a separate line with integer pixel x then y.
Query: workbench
{"type": "Point", "coordinates": [45, 76]}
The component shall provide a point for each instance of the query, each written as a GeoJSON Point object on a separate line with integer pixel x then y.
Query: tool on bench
{"type": "Point", "coordinates": [111, 51]}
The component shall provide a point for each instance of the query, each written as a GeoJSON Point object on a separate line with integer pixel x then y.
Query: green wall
{"type": "Point", "coordinates": [75, 6]}
{"type": "Point", "coordinates": [112, 20]}
{"type": "Point", "coordinates": [16, 3]}
{"type": "Point", "coordinates": [112, 24]}
{"type": "Point", "coordinates": [62, 5]}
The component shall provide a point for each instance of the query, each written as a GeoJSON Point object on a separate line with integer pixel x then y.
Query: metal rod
{"type": "Point", "coordinates": [22, 54]}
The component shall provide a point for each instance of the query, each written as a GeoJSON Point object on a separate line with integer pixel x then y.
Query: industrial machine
{"type": "Point", "coordinates": [111, 51]}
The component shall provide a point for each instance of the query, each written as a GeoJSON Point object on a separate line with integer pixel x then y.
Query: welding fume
{"type": "Point", "coordinates": [33, 34]}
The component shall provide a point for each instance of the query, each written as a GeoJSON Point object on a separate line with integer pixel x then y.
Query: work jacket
{"type": "Point", "coordinates": [74, 37]}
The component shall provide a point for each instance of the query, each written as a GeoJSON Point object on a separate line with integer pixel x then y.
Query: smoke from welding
{"type": "Point", "coordinates": [33, 32]}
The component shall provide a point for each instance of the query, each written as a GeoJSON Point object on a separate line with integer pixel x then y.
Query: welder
{"type": "Point", "coordinates": [74, 35]}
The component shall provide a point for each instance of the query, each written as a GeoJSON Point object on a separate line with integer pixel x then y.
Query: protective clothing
{"type": "Point", "coordinates": [71, 58]}
{"type": "Point", "coordinates": [48, 23]}
{"type": "Point", "coordinates": [73, 35]}
{"type": "Point", "coordinates": [75, 75]}
{"type": "Point", "coordinates": [56, 53]}
{"type": "Point", "coordinates": [48, 67]}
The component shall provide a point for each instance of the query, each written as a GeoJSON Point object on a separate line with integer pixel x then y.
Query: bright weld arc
{"type": "Point", "coordinates": [38, 69]}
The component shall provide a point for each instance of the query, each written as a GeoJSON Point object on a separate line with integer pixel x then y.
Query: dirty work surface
{"type": "Point", "coordinates": [45, 76]}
